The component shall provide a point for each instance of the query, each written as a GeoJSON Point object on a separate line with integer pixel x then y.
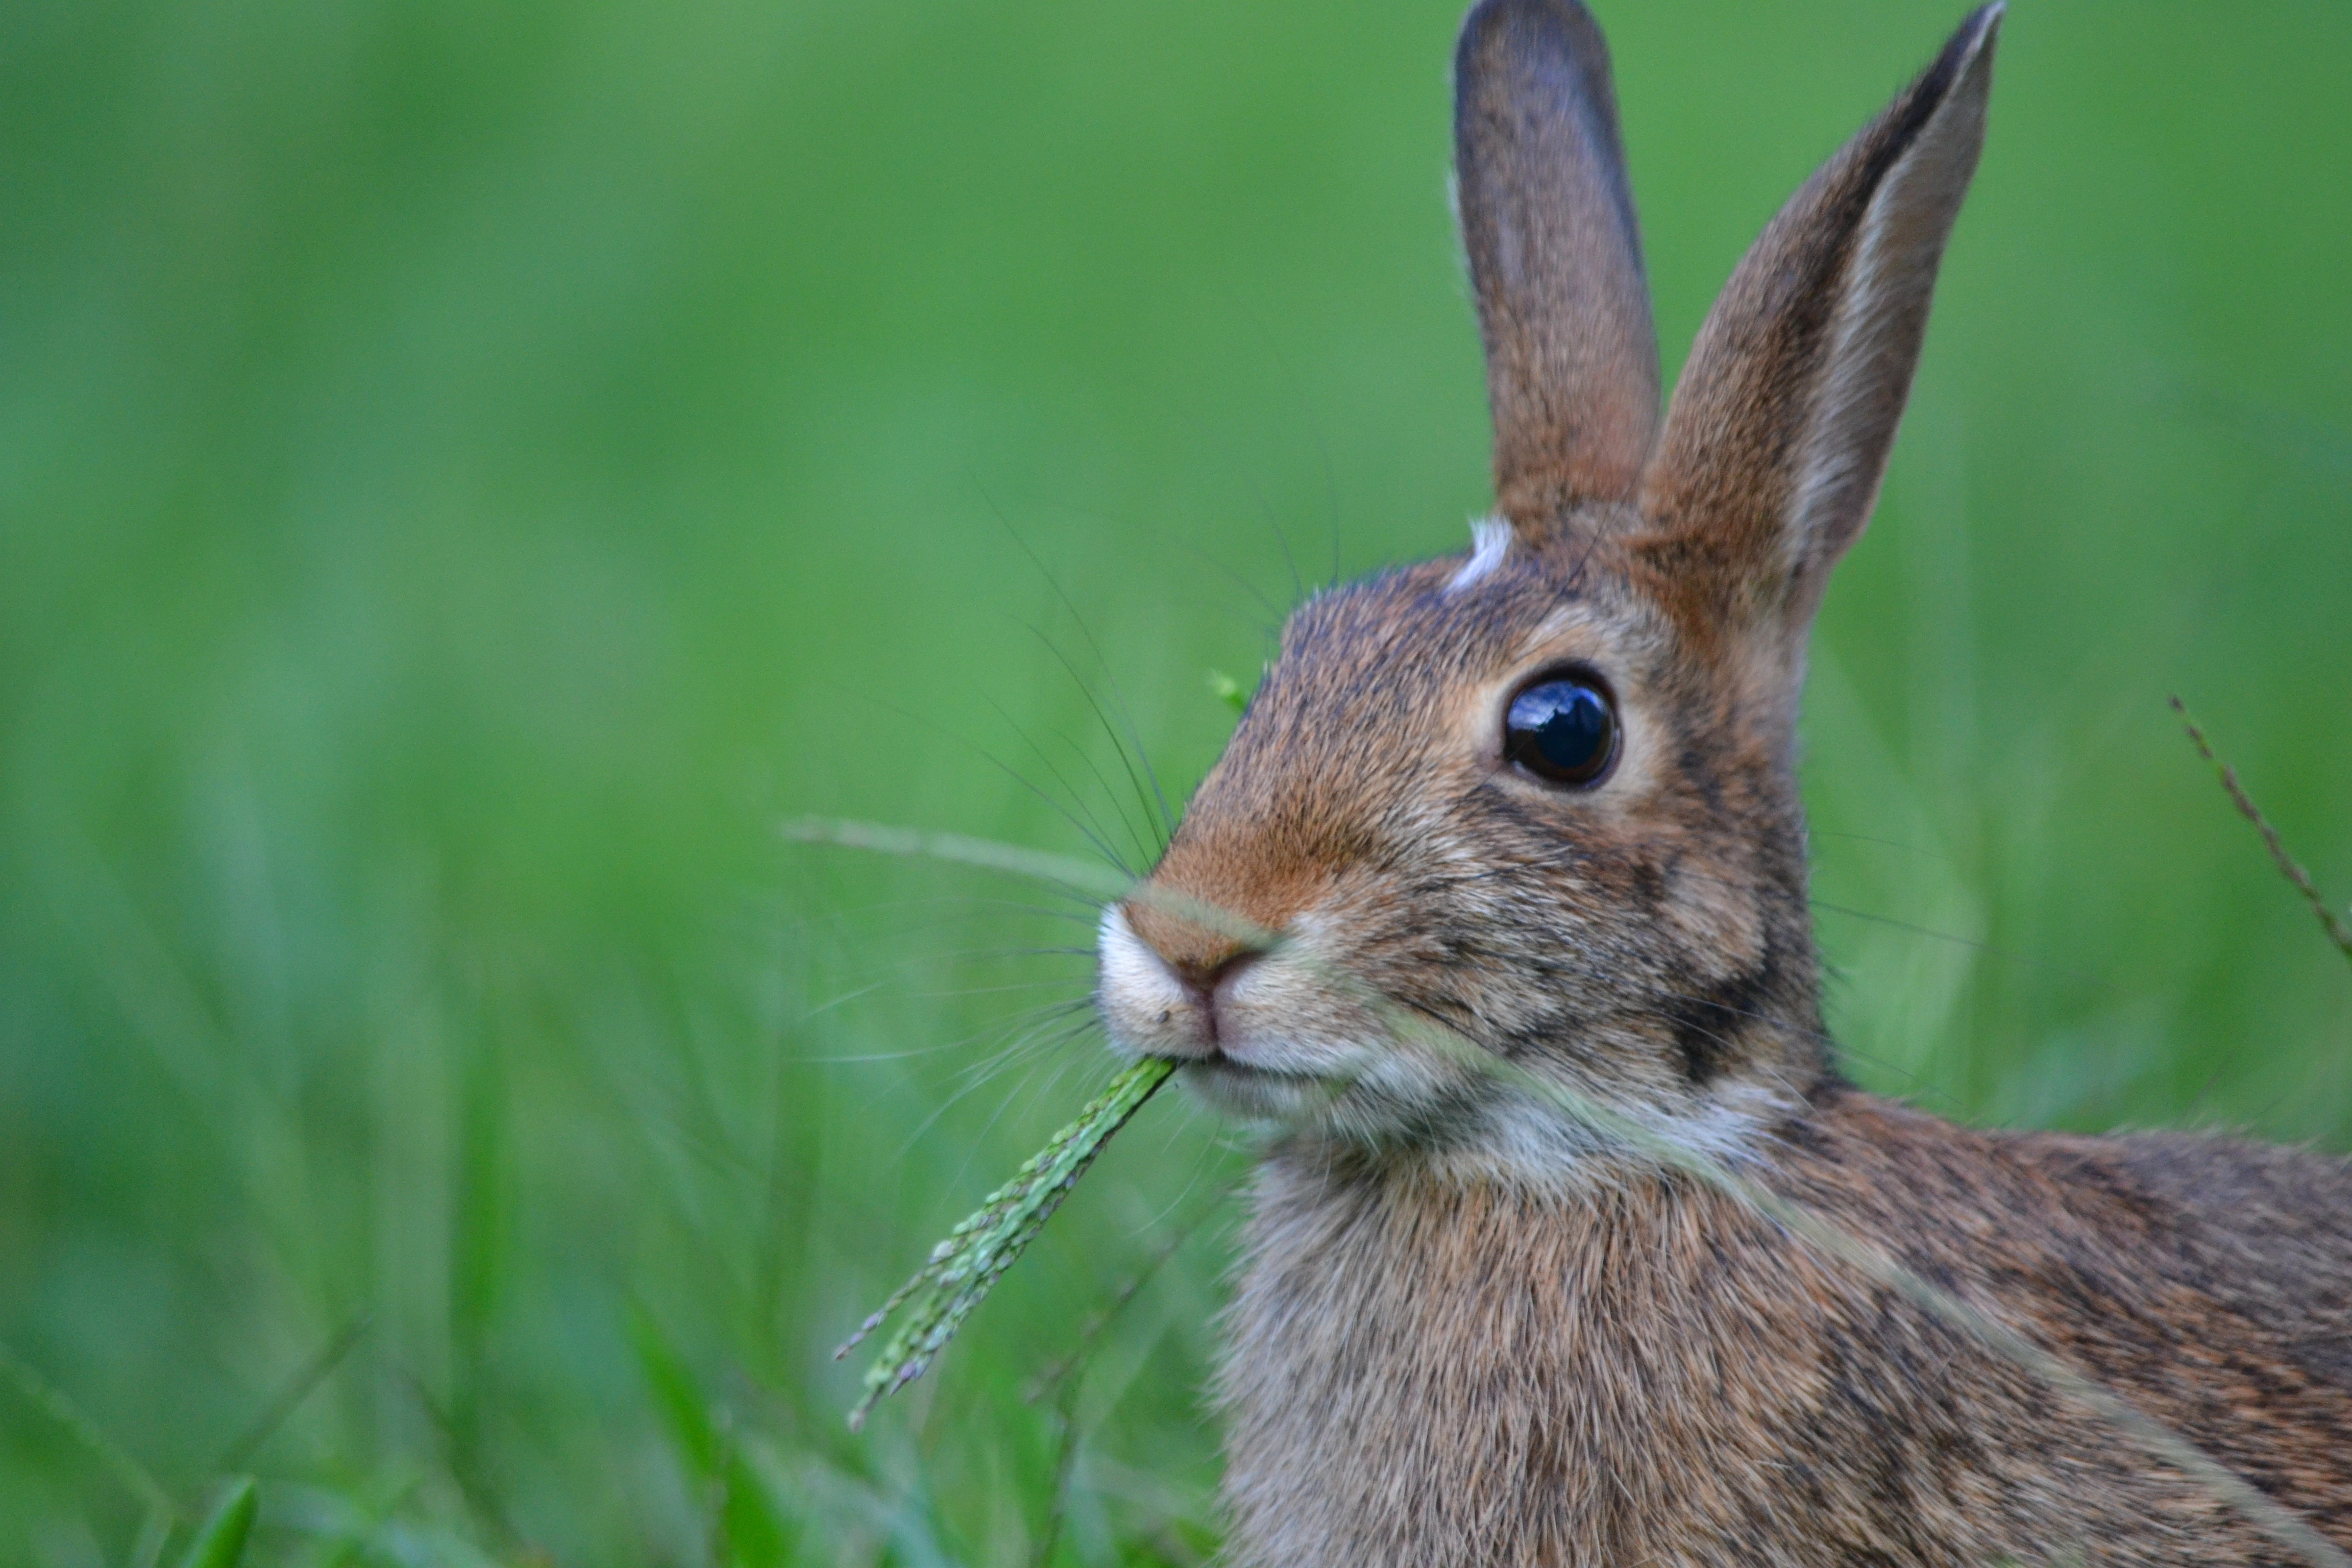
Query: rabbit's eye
{"type": "Point", "coordinates": [1563, 729]}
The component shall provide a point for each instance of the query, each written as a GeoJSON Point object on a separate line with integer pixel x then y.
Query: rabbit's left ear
{"type": "Point", "coordinates": [1555, 259]}
{"type": "Point", "coordinates": [1779, 430]}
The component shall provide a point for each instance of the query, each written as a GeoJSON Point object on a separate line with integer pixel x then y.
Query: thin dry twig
{"type": "Point", "coordinates": [2329, 921]}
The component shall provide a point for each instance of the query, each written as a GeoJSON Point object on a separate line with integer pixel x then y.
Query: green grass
{"type": "Point", "coordinates": [966, 1265]}
{"type": "Point", "coordinates": [467, 475]}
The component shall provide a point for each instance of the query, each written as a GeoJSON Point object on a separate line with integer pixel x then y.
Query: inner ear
{"type": "Point", "coordinates": [1555, 257]}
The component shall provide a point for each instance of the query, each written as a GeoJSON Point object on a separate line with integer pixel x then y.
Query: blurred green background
{"type": "Point", "coordinates": [467, 473]}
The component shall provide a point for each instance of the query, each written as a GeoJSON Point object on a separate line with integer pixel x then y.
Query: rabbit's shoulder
{"type": "Point", "coordinates": [2261, 1229]}
{"type": "Point", "coordinates": [2125, 1252]}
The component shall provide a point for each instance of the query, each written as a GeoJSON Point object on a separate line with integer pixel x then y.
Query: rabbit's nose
{"type": "Point", "coordinates": [1197, 954]}
{"type": "Point", "coordinates": [1203, 977]}
{"type": "Point", "coordinates": [1204, 973]}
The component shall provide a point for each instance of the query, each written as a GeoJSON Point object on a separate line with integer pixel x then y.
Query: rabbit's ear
{"type": "Point", "coordinates": [1779, 432]}
{"type": "Point", "coordinates": [1555, 258]}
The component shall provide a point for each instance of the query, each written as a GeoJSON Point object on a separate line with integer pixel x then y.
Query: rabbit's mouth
{"type": "Point", "coordinates": [1263, 1036]}
{"type": "Point", "coordinates": [1255, 1092]}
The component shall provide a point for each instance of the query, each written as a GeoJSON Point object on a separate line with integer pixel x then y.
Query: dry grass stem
{"type": "Point", "coordinates": [2289, 868]}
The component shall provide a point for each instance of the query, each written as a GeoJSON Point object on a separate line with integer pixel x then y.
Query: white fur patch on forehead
{"type": "Point", "coordinates": [1490, 540]}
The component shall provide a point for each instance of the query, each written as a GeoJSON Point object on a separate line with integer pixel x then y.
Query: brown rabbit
{"type": "Point", "coordinates": [1544, 795]}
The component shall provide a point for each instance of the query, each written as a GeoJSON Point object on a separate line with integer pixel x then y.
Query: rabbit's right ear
{"type": "Point", "coordinates": [1778, 434]}
{"type": "Point", "coordinates": [1555, 260]}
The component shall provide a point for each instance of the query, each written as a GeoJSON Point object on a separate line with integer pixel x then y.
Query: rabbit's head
{"type": "Point", "coordinates": [1542, 795]}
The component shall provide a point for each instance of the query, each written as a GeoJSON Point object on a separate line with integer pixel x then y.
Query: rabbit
{"type": "Point", "coordinates": [1542, 794]}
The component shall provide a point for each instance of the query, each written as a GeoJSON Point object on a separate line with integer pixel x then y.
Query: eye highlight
{"type": "Point", "coordinates": [1562, 728]}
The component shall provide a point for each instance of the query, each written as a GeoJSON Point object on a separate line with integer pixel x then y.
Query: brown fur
{"type": "Point", "coordinates": [1548, 220]}
{"type": "Point", "coordinates": [1469, 1329]}
{"type": "Point", "coordinates": [1437, 1373]}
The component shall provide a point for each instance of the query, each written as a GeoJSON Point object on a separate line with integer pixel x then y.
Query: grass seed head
{"type": "Point", "coordinates": [962, 1269]}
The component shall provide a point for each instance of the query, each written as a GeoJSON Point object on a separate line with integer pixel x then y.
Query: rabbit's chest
{"type": "Point", "coordinates": [1470, 1377]}
{"type": "Point", "coordinates": [1450, 1376]}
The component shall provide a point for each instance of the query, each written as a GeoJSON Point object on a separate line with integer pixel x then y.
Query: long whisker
{"type": "Point", "coordinates": [1053, 1076]}
{"type": "Point", "coordinates": [1873, 839]}
{"type": "Point", "coordinates": [953, 993]}
{"type": "Point", "coordinates": [843, 1000]}
{"type": "Point", "coordinates": [1244, 584]}
{"type": "Point", "coordinates": [950, 904]}
{"type": "Point", "coordinates": [1130, 753]}
{"type": "Point", "coordinates": [1041, 1014]}
{"type": "Point", "coordinates": [996, 953]}
{"type": "Point", "coordinates": [1147, 836]}
{"type": "Point", "coordinates": [1101, 846]}
{"type": "Point", "coordinates": [1993, 949]}
{"type": "Point", "coordinates": [1039, 1039]}
{"type": "Point", "coordinates": [1323, 445]}
{"type": "Point", "coordinates": [1077, 800]}
{"type": "Point", "coordinates": [1046, 1029]}
{"type": "Point", "coordinates": [1167, 817]}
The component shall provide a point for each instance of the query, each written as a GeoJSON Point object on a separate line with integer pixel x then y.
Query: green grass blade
{"type": "Point", "coordinates": [220, 1540]}
{"type": "Point", "coordinates": [963, 1268]}
{"type": "Point", "coordinates": [52, 1401]}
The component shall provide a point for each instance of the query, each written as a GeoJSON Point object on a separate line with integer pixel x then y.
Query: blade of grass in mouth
{"type": "Point", "coordinates": [962, 1269]}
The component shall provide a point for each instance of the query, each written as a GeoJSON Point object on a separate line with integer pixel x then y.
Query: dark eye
{"type": "Point", "coordinates": [1562, 729]}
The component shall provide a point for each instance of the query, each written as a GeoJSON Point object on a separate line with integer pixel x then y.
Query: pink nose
{"type": "Point", "coordinates": [1203, 976]}
{"type": "Point", "coordinates": [1203, 983]}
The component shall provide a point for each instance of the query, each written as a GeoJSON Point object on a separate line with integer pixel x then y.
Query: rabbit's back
{"type": "Point", "coordinates": [2262, 1230]}
{"type": "Point", "coordinates": [1634, 1369]}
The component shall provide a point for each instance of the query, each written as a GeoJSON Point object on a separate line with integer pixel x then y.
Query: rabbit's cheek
{"type": "Point", "coordinates": [1285, 1015]}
